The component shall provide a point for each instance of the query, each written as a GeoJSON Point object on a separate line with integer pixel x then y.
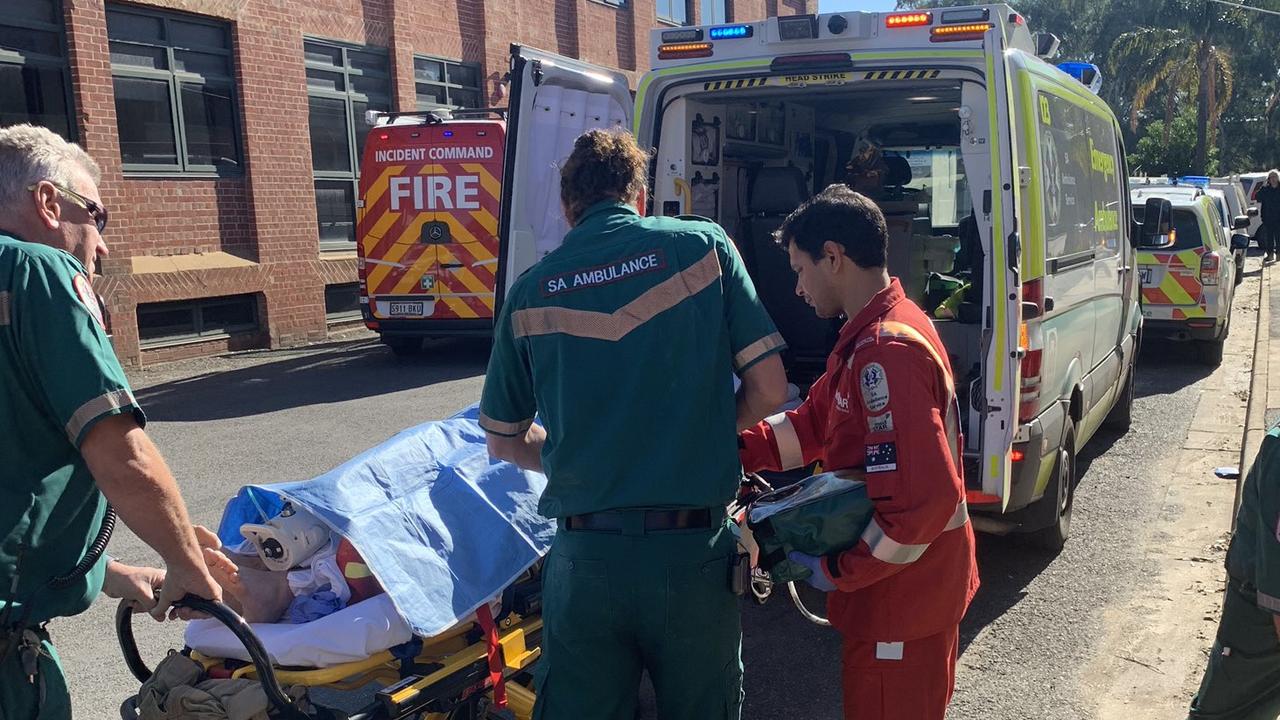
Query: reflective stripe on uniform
{"type": "Point", "coordinates": [4, 308]}
{"type": "Point", "coordinates": [790, 456]}
{"type": "Point", "coordinates": [902, 331]}
{"type": "Point", "coordinates": [1267, 602]}
{"type": "Point", "coordinates": [886, 549]}
{"type": "Point", "coordinates": [87, 412]}
{"type": "Point", "coordinates": [499, 427]}
{"type": "Point", "coordinates": [756, 350]}
{"type": "Point", "coordinates": [615, 325]}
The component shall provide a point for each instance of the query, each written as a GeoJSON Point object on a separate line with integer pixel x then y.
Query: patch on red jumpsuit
{"type": "Point", "coordinates": [882, 457]}
{"type": "Point", "coordinates": [88, 299]}
{"type": "Point", "coordinates": [875, 387]}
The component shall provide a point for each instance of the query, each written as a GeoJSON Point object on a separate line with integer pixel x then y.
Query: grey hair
{"type": "Point", "coordinates": [30, 153]}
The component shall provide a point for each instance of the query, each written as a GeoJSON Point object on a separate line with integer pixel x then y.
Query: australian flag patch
{"type": "Point", "coordinates": [882, 457]}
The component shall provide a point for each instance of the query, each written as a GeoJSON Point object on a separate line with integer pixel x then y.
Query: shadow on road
{"type": "Point", "coordinates": [1165, 367]}
{"type": "Point", "coordinates": [346, 371]}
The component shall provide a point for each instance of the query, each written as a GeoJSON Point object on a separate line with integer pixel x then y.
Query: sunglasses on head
{"type": "Point", "coordinates": [95, 210]}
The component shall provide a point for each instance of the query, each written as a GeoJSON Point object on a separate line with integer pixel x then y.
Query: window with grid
{"type": "Point", "coordinates": [166, 323]}
{"type": "Point", "coordinates": [343, 83]}
{"type": "Point", "coordinates": [675, 12]}
{"type": "Point", "coordinates": [174, 80]}
{"type": "Point", "coordinates": [35, 79]}
{"type": "Point", "coordinates": [444, 83]}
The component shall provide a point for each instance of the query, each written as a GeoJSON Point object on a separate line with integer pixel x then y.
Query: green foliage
{"type": "Point", "coordinates": [1161, 153]}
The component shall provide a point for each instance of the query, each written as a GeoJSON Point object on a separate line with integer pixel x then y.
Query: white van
{"type": "Point", "coordinates": [1001, 170]}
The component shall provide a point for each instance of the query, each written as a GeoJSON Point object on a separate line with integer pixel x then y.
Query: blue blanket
{"type": "Point", "coordinates": [443, 528]}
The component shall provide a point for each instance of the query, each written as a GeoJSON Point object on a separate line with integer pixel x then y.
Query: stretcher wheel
{"type": "Point", "coordinates": [281, 705]}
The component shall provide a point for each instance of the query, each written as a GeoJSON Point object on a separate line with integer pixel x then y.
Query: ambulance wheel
{"type": "Point", "coordinates": [1061, 494]}
{"type": "Point", "coordinates": [1121, 416]}
{"type": "Point", "coordinates": [1211, 352]}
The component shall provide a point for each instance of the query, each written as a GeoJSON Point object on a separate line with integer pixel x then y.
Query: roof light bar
{"type": "Point", "coordinates": [950, 33]}
{"type": "Point", "coordinates": [901, 20]}
{"type": "Point", "coordinates": [955, 17]}
{"type": "Point", "coordinates": [675, 51]}
{"type": "Point", "coordinates": [679, 36]}
{"type": "Point", "coordinates": [731, 32]}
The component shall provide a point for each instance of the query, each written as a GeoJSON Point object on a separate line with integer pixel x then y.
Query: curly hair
{"type": "Point", "coordinates": [604, 165]}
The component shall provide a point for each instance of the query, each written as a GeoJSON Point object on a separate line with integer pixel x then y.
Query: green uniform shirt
{"type": "Point", "coordinates": [1254, 555]}
{"type": "Point", "coordinates": [623, 341]}
{"type": "Point", "coordinates": [60, 376]}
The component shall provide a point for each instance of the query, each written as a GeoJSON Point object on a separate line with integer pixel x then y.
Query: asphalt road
{"type": "Point", "coordinates": [286, 415]}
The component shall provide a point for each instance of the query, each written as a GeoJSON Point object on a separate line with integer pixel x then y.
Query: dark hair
{"type": "Point", "coordinates": [844, 217]}
{"type": "Point", "coordinates": [604, 165]}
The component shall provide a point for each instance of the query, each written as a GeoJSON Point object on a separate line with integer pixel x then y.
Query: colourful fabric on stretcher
{"type": "Point", "coordinates": [441, 526]}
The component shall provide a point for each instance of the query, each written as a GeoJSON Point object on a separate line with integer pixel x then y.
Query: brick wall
{"type": "Point", "coordinates": [267, 215]}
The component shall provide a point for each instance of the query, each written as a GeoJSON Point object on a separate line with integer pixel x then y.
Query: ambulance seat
{"type": "Point", "coordinates": [775, 193]}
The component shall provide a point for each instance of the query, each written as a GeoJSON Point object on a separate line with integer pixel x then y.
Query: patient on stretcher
{"type": "Point", "coordinates": [293, 578]}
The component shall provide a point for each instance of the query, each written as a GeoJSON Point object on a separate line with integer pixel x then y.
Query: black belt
{"type": "Point", "coordinates": [653, 520]}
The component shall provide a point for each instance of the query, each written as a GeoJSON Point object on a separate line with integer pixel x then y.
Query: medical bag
{"type": "Point", "coordinates": [819, 515]}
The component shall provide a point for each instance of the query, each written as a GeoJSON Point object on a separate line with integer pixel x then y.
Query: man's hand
{"type": "Point", "coordinates": [138, 585]}
{"type": "Point", "coordinates": [524, 451]}
{"type": "Point", "coordinates": [817, 576]}
{"type": "Point", "coordinates": [181, 581]}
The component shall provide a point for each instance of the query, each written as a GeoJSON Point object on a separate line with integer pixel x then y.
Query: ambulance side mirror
{"type": "Point", "coordinates": [1157, 225]}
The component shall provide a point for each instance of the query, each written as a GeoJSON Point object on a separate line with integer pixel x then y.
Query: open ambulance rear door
{"type": "Point", "coordinates": [554, 99]}
{"type": "Point", "coordinates": [994, 146]}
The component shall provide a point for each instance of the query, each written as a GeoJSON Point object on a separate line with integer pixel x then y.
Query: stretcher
{"type": "Point", "coordinates": [470, 672]}
{"type": "Point", "coordinates": [455, 541]}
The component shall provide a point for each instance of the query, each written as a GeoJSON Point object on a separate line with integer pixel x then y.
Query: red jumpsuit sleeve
{"type": "Point", "coordinates": [790, 439]}
{"type": "Point", "coordinates": [909, 470]}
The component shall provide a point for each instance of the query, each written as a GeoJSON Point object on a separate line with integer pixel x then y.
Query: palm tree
{"type": "Point", "coordinates": [1185, 62]}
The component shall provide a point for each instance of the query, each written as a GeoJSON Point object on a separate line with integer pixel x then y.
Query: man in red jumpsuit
{"type": "Point", "coordinates": [886, 405]}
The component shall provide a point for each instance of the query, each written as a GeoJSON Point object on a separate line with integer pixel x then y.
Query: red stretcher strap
{"type": "Point", "coordinates": [484, 616]}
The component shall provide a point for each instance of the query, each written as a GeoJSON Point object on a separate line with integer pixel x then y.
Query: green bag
{"type": "Point", "coordinates": [819, 515]}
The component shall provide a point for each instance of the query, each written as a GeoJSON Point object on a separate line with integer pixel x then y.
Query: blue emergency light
{"type": "Point", "coordinates": [448, 133]}
{"type": "Point", "coordinates": [1087, 73]}
{"type": "Point", "coordinates": [1199, 181]}
{"type": "Point", "coordinates": [731, 32]}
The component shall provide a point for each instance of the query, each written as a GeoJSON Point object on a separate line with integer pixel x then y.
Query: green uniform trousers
{"type": "Point", "coordinates": [1242, 681]}
{"type": "Point", "coordinates": [45, 699]}
{"type": "Point", "coordinates": [616, 605]}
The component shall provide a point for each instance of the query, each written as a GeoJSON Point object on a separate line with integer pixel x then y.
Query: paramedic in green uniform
{"type": "Point", "coordinates": [1242, 681]}
{"type": "Point", "coordinates": [70, 428]}
{"type": "Point", "coordinates": [624, 342]}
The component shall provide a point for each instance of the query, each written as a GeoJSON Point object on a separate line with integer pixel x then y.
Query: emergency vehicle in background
{"type": "Point", "coordinates": [427, 223]}
{"type": "Point", "coordinates": [1002, 169]}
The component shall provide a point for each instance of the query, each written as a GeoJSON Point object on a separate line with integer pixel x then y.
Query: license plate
{"type": "Point", "coordinates": [1144, 276]}
{"type": "Point", "coordinates": [406, 308]}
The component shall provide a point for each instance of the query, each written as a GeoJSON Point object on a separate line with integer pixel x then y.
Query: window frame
{"type": "Point", "coordinates": [176, 79]}
{"type": "Point", "coordinates": [196, 307]}
{"type": "Point", "coordinates": [349, 96]}
{"type": "Point", "coordinates": [725, 5]}
{"type": "Point", "coordinates": [24, 59]}
{"type": "Point", "coordinates": [447, 83]}
{"type": "Point", "coordinates": [688, 13]}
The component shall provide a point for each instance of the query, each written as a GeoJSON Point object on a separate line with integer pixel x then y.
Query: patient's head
{"type": "Point", "coordinates": [604, 165]}
{"type": "Point", "coordinates": [834, 238]}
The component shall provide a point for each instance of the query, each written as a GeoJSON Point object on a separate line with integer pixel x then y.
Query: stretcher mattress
{"type": "Point", "coordinates": [354, 633]}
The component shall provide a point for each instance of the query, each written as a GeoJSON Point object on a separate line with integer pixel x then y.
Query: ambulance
{"type": "Point", "coordinates": [998, 170]}
{"type": "Point", "coordinates": [427, 223]}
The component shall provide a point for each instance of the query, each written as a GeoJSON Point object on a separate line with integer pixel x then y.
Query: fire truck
{"type": "Point", "coordinates": [427, 224]}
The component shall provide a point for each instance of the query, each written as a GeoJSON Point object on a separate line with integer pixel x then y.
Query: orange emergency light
{"type": "Point", "coordinates": [901, 20]}
{"type": "Point", "coordinates": [968, 31]}
{"type": "Point", "coordinates": [672, 51]}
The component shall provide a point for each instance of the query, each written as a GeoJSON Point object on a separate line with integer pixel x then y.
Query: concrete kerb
{"type": "Point", "coordinates": [1259, 386]}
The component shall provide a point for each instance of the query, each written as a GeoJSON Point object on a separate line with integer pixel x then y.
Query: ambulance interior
{"type": "Point", "coordinates": [751, 157]}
